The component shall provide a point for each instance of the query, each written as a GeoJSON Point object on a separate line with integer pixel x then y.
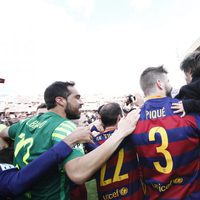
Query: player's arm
{"type": "Point", "coordinates": [186, 106]}
{"type": "Point", "coordinates": [4, 131]}
{"type": "Point", "coordinates": [3, 144]}
{"type": "Point", "coordinates": [82, 168]}
{"type": "Point", "coordinates": [25, 178]}
{"type": "Point", "coordinates": [3, 136]}
{"type": "Point", "coordinates": [10, 131]}
{"type": "Point", "coordinates": [17, 182]}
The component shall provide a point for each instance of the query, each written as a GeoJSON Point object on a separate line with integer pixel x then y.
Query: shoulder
{"type": "Point", "coordinates": [67, 125]}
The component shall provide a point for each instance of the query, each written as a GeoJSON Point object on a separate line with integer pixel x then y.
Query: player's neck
{"type": "Point", "coordinates": [155, 95]}
{"type": "Point", "coordinates": [109, 128]}
{"type": "Point", "coordinates": [58, 112]}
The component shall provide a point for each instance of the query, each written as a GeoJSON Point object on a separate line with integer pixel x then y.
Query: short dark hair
{"type": "Point", "coordinates": [149, 76]}
{"type": "Point", "coordinates": [56, 89]}
{"type": "Point", "coordinates": [99, 108]}
{"type": "Point", "coordinates": [109, 114]}
{"type": "Point", "coordinates": [192, 64]}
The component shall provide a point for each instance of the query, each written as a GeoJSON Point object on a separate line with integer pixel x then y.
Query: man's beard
{"type": "Point", "coordinates": [70, 114]}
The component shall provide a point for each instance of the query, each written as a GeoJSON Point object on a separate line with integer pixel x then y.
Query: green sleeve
{"type": "Point", "coordinates": [77, 152]}
{"type": "Point", "coordinates": [64, 129]}
{"type": "Point", "coordinates": [12, 131]}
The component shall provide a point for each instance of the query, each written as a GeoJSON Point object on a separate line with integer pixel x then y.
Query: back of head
{"type": "Point", "coordinates": [56, 89]}
{"type": "Point", "coordinates": [109, 114]}
{"type": "Point", "coordinates": [191, 64]}
{"type": "Point", "coordinates": [99, 108]}
{"type": "Point", "coordinates": [149, 77]}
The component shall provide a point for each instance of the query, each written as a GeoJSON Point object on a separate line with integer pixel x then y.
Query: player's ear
{"type": "Point", "coordinates": [60, 101]}
{"type": "Point", "coordinates": [159, 84]}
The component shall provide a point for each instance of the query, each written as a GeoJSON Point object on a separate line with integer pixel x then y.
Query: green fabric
{"type": "Point", "coordinates": [32, 138]}
{"type": "Point", "coordinates": [12, 131]}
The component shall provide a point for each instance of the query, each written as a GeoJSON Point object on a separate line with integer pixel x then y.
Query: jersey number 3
{"type": "Point", "coordinates": [162, 149]}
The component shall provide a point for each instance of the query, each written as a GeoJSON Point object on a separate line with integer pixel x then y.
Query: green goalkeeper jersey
{"type": "Point", "coordinates": [35, 136]}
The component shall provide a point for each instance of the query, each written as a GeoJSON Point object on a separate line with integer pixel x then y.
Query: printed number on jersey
{"type": "Point", "coordinates": [24, 143]}
{"type": "Point", "coordinates": [116, 176]}
{"type": "Point", "coordinates": [162, 149]}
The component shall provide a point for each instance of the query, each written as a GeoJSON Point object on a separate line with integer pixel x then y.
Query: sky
{"type": "Point", "coordinates": [102, 45]}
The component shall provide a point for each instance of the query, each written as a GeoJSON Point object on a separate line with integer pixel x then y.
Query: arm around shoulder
{"type": "Point", "coordinates": [82, 168]}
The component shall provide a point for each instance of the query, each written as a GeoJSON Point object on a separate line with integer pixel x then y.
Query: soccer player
{"type": "Point", "coordinates": [167, 145]}
{"type": "Point", "coordinates": [14, 182]}
{"type": "Point", "coordinates": [118, 178]}
{"type": "Point", "coordinates": [39, 133]}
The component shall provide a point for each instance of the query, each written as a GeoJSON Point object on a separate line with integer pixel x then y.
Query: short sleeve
{"type": "Point", "coordinates": [12, 131]}
{"type": "Point", "coordinates": [63, 130]}
{"type": "Point", "coordinates": [77, 152]}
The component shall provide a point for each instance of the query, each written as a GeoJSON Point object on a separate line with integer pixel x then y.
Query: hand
{"type": "Point", "coordinates": [127, 124]}
{"type": "Point", "coordinates": [178, 107]}
{"type": "Point", "coordinates": [80, 135]}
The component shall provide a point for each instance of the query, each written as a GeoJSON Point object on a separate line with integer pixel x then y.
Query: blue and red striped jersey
{"type": "Point", "coordinates": [168, 148]}
{"type": "Point", "coordinates": [118, 178]}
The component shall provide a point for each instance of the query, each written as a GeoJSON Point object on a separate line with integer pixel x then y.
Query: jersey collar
{"type": "Point", "coordinates": [154, 97]}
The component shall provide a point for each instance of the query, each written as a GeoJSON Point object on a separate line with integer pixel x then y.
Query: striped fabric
{"type": "Point", "coordinates": [118, 178]}
{"type": "Point", "coordinates": [168, 149]}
